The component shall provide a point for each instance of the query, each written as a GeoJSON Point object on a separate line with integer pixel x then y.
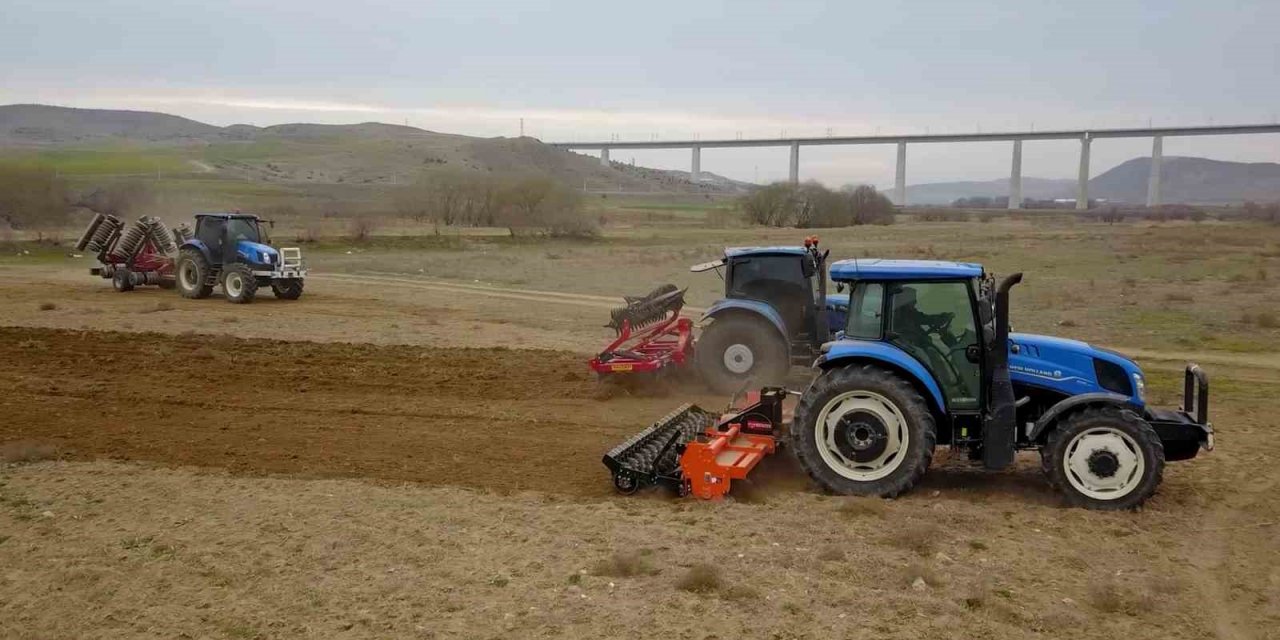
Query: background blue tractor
{"type": "Point", "coordinates": [925, 357]}
{"type": "Point", "coordinates": [230, 249]}
{"type": "Point", "coordinates": [775, 312]}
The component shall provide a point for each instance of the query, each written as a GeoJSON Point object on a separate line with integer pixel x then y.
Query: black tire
{"type": "Point", "coordinates": [1125, 429]}
{"type": "Point", "coordinates": [749, 338]}
{"type": "Point", "coordinates": [912, 417]}
{"type": "Point", "coordinates": [239, 285]}
{"type": "Point", "coordinates": [122, 279]}
{"type": "Point", "coordinates": [192, 274]}
{"type": "Point", "coordinates": [287, 288]}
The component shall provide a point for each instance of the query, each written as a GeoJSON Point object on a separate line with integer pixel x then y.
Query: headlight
{"type": "Point", "coordinates": [1139, 387]}
{"type": "Point", "coordinates": [266, 257]}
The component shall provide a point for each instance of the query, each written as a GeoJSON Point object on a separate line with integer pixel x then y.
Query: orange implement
{"type": "Point", "coordinates": [708, 467]}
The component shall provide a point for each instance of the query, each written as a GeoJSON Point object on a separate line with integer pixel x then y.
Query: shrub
{"type": "Point", "coordinates": [307, 235]}
{"type": "Point", "coordinates": [812, 205]}
{"type": "Point", "coordinates": [940, 215]}
{"type": "Point", "coordinates": [360, 228]}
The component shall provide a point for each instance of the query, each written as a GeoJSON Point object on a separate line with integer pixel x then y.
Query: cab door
{"type": "Point", "coordinates": [935, 323]}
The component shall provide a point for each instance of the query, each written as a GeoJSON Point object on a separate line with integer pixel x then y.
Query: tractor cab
{"type": "Point", "coordinates": [775, 312]}
{"type": "Point", "coordinates": [234, 238]}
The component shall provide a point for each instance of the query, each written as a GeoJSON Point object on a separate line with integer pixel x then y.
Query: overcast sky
{"type": "Point", "coordinates": [592, 70]}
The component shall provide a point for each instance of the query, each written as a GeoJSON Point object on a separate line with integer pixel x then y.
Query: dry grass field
{"type": "Point", "coordinates": [413, 450]}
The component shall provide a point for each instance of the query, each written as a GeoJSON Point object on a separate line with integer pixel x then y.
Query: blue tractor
{"type": "Point", "coordinates": [775, 313]}
{"type": "Point", "coordinates": [925, 357]}
{"type": "Point", "coordinates": [230, 249]}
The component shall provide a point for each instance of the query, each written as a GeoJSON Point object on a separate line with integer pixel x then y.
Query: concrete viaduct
{"type": "Point", "coordinates": [1085, 136]}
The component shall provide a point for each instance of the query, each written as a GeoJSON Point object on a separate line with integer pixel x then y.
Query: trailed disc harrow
{"type": "Point", "coordinates": [160, 236]}
{"type": "Point", "coordinates": [651, 308]}
{"type": "Point", "coordinates": [131, 240]}
{"type": "Point", "coordinates": [98, 235]}
{"type": "Point", "coordinates": [651, 334]}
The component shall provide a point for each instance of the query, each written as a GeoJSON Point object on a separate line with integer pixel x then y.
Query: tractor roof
{"type": "Point", "coordinates": [878, 269]}
{"type": "Point", "coordinates": [227, 216]}
{"type": "Point", "coordinates": [740, 252]}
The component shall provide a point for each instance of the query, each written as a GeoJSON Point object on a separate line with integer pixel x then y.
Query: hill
{"type": "Point", "coordinates": [1187, 180]}
{"type": "Point", "coordinates": [942, 193]}
{"type": "Point", "coordinates": [301, 155]}
{"type": "Point", "coordinates": [1190, 180]}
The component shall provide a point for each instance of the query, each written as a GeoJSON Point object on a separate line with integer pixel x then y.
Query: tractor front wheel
{"type": "Point", "coordinates": [735, 351]}
{"type": "Point", "coordinates": [193, 274]}
{"type": "Point", "coordinates": [287, 288]}
{"type": "Point", "coordinates": [1105, 458]}
{"type": "Point", "coordinates": [239, 285]}
{"type": "Point", "coordinates": [863, 430]}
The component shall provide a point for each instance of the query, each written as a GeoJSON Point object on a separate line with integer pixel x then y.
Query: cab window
{"type": "Point", "coordinates": [242, 229]}
{"type": "Point", "coordinates": [866, 307]}
{"type": "Point", "coordinates": [776, 280]}
{"type": "Point", "coordinates": [933, 321]}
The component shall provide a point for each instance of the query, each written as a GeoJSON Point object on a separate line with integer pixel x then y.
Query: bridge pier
{"type": "Point", "coordinates": [1153, 184]}
{"type": "Point", "coordinates": [604, 156]}
{"type": "Point", "coordinates": [794, 176]}
{"type": "Point", "coordinates": [1015, 177]}
{"type": "Point", "coordinates": [900, 178]}
{"type": "Point", "coordinates": [1082, 188]}
{"type": "Point", "coordinates": [695, 170]}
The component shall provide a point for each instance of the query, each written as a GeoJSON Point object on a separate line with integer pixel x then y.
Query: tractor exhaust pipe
{"type": "Point", "coordinates": [1000, 426]}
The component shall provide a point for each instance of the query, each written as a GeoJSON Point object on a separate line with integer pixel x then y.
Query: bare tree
{"type": "Point", "coordinates": [540, 204]}
{"type": "Point", "coordinates": [32, 198]}
{"type": "Point", "coordinates": [117, 198]}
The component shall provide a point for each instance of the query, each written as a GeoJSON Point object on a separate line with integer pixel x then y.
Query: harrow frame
{"type": "Point", "coordinates": [652, 349]}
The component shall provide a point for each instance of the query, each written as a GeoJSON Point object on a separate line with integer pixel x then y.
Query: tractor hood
{"type": "Point", "coordinates": [1073, 367]}
{"type": "Point", "coordinates": [257, 253]}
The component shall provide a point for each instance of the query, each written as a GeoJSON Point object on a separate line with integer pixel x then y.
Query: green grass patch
{"type": "Point", "coordinates": [73, 162]}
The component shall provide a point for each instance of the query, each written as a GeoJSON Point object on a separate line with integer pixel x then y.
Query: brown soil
{"type": "Point", "coordinates": [497, 419]}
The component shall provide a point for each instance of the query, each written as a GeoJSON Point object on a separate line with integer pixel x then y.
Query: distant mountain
{"type": "Point", "coordinates": [1182, 180]}
{"type": "Point", "coordinates": [369, 153]}
{"type": "Point", "coordinates": [34, 124]}
{"type": "Point", "coordinates": [1191, 181]}
{"type": "Point", "coordinates": [942, 193]}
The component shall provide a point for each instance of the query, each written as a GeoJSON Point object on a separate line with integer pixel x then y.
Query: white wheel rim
{"type": "Point", "coordinates": [234, 285]}
{"type": "Point", "coordinates": [897, 434]}
{"type": "Point", "coordinates": [1111, 446]}
{"type": "Point", "coordinates": [738, 358]}
{"type": "Point", "coordinates": [188, 275]}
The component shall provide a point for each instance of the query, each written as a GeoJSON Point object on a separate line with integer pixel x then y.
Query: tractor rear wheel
{"type": "Point", "coordinates": [1105, 458]}
{"type": "Point", "coordinates": [239, 286]}
{"type": "Point", "coordinates": [122, 279]}
{"type": "Point", "coordinates": [863, 430]}
{"type": "Point", "coordinates": [287, 288]}
{"type": "Point", "coordinates": [193, 274]}
{"type": "Point", "coordinates": [736, 351]}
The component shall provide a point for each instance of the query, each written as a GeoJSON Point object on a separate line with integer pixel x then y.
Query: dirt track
{"type": "Point", "coordinates": [504, 420]}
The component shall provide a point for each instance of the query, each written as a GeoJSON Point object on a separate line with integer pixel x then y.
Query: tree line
{"type": "Point", "coordinates": [524, 205]}
{"type": "Point", "coordinates": [812, 205]}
